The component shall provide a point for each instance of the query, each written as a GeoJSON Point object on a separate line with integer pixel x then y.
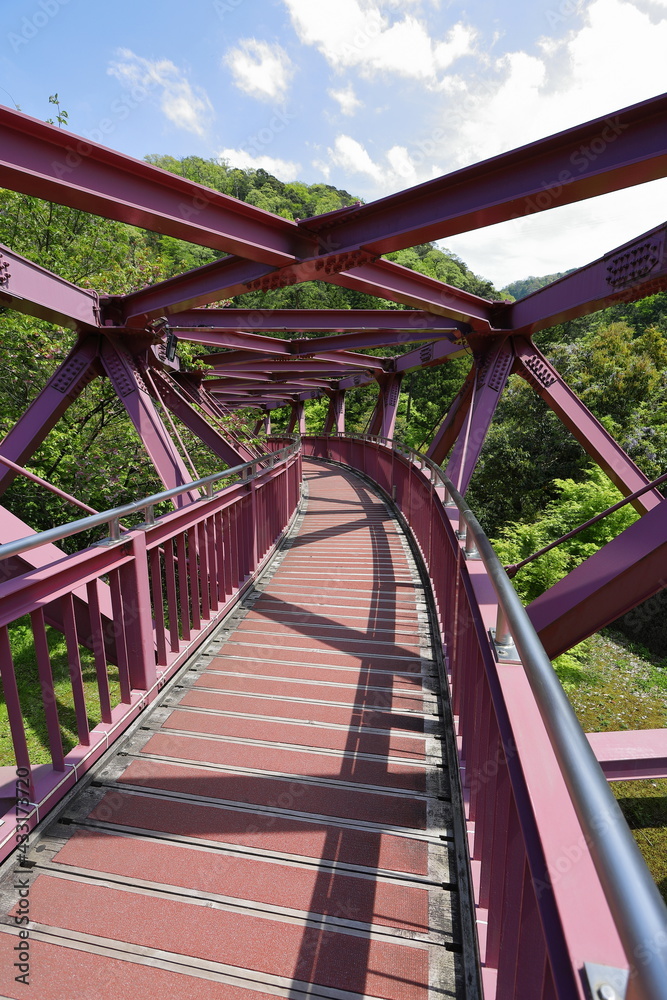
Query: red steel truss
{"type": "Point", "coordinates": [261, 359]}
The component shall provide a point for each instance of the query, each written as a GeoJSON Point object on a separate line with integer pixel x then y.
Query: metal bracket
{"type": "Point", "coordinates": [605, 982]}
{"type": "Point", "coordinates": [504, 651]}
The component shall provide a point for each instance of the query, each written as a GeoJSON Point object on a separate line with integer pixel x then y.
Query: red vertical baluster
{"type": "Point", "coordinates": [510, 917]}
{"type": "Point", "coordinates": [193, 576]}
{"type": "Point", "coordinates": [172, 599]}
{"type": "Point", "coordinates": [183, 592]}
{"type": "Point", "coordinates": [13, 703]}
{"type": "Point", "coordinates": [74, 664]}
{"type": "Point", "coordinates": [99, 652]}
{"type": "Point", "coordinates": [48, 692]}
{"type": "Point", "coordinates": [121, 645]}
{"type": "Point", "coordinates": [202, 546]}
{"type": "Point", "coordinates": [158, 606]}
{"type": "Point", "coordinates": [211, 548]}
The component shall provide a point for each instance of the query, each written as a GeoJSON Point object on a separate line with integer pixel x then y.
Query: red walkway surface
{"type": "Point", "coordinates": [278, 824]}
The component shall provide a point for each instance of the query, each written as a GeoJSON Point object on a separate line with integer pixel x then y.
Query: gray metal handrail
{"type": "Point", "coordinates": [247, 471]}
{"type": "Point", "coordinates": [633, 897]}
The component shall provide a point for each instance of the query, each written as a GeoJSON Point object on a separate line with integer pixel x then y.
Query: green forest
{"type": "Point", "coordinates": [533, 482]}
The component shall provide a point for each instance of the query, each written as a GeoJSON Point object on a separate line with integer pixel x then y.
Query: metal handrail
{"type": "Point", "coordinates": [633, 897]}
{"type": "Point", "coordinates": [112, 517]}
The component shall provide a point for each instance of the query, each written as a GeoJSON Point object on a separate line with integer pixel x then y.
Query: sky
{"type": "Point", "coordinates": [371, 96]}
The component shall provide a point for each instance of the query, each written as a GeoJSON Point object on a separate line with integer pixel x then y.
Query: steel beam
{"type": "Point", "coordinates": [624, 148]}
{"type": "Point", "coordinates": [492, 370]}
{"type": "Point", "coordinates": [191, 385]}
{"type": "Point", "coordinates": [450, 427]}
{"type": "Point", "coordinates": [71, 377]}
{"type": "Point", "coordinates": [429, 355]}
{"type": "Point", "coordinates": [383, 418]}
{"type": "Point", "coordinates": [618, 577]}
{"type": "Point", "coordinates": [172, 398]}
{"type": "Point", "coordinates": [34, 291]}
{"type": "Point", "coordinates": [297, 420]}
{"type": "Point", "coordinates": [234, 276]}
{"type": "Point", "coordinates": [50, 163]}
{"type": "Point", "coordinates": [334, 363]}
{"type": "Point", "coordinates": [335, 419]}
{"type": "Point", "coordinates": [588, 431]}
{"type": "Point", "coordinates": [128, 381]}
{"type": "Point", "coordinates": [628, 273]}
{"type": "Point", "coordinates": [310, 321]}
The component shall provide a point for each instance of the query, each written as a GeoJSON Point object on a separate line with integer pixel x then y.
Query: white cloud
{"type": "Point", "coordinates": [611, 56]}
{"type": "Point", "coordinates": [260, 70]}
{"type": "Point", "coordinates": [356, 33]}
{"type": "Point", "coordinates": [187, 106]}
{"type": "Point", "coordinates": [285, 170]}
{"type": "Point", "coordinates": [398, 169]}
{"type": "Point", "coordinates": [347, 99]}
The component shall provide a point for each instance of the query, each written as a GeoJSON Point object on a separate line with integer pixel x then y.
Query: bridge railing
{"type": "Point", "coordinates": [134, 606]}
{"type": "Point", "coordinates": [565, 905]}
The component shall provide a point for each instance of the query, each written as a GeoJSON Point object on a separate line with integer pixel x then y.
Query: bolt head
{"type": "Point", "coordinates": [607, 992]}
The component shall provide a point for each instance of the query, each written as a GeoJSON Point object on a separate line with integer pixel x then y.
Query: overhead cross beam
{"type": "Point", "coordinates": [628, 273]}
{"type": "Point", "coordinates": [617, 151]}
{"type": "Point", "coordinates": [31, 289]}
{"type": "Point", "coordinates": [51, 163]}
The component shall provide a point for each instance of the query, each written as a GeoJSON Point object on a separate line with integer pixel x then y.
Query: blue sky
{"type": "Point", "coordinates": [372, 96]}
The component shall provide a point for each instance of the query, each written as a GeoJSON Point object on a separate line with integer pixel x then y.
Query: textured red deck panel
{"type": "Point", "coordinates": [383, 744]}
{"type": "Point", "coordinates": [275, 775]}
{"type": "Point", "coordinates": [297, 887]}
{"type": "Point", "coordinates": [311, 765]}
{"type": "Point", "coordinates": [285, 793]}
{"type": "Point", "coordinates": [361, 715]}
{"type": "Point", "coordinates": [266, 832]}
{"type": "Point", "coordinates": [340, 961]}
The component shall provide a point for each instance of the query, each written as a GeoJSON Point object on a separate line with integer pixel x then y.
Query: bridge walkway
{"type": "Point", "coordinates": [277, 825]}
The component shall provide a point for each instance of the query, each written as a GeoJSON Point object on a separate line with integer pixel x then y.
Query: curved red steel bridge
{"type": "Point", "coordinates": [340, 764]}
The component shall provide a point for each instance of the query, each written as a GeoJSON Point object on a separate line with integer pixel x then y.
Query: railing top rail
{"type": "Point", "coordinates": [52, 535]}
{"type": "Point", "coordinates": [633, 897]}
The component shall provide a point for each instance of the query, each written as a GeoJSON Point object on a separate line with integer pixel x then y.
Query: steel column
{"type": "Point", "coordinates": [588, 431]}
{"type": "Point", "coordinates": [492, 371]}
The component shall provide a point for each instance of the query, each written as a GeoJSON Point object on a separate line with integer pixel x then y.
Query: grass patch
{"type": "Point", "coordinates": [614, 684]}
{"type": "Point", "coordinates": [27, 679]}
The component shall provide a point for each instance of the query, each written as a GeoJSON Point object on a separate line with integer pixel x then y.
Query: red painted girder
{"type": "Point", "coordinates": [589, 432]}
{"type": "Point", "coordinates": [309, 320]}
{"type": "Point", "coordinates": [631, 754]}
{"type": "Point", "coordinates": [622, 574]}
{"type": "Point", "coordinates": [170, 395]}
{"type": "Point", "coordinates": [50, 163]}
{"type": "Point", "coordinates": [65, 385]}
{"type": "Point", "coordinates": [335, 418]}
{"type": "Point", "coordinates": [624, 148]}
{"type": "Point", "coordinates": [354, 381]}
{"type": "Point", "coordinates": [429, 355]}
{"type": "Point", "coordinates": [277, 359]}
{"type": "Point", "coordinates": [192, 388]}
{"type": "Point", "coordinates": [233, 276]}
{"type": "Point", "coordinates": [263, 385]}
{"type": "Point", "coordinates": [383, 418]}
{"type": "Point", "coordinates": [628, 273]}
{"type": "Point", "coordinates": [372, 338]}
{"type": "Point", "coordinates": [31, 289]}
{"type": "Point", "coordinates": [127, 380]}
{"type": "Point", "coordinates": [273, 367]}
{"type": "Point", "coordinates": [492, 371]}
{"type": "Point", "coordinates": [452, 422]}
{"type": "Point", "coordinates": [388, 280]}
